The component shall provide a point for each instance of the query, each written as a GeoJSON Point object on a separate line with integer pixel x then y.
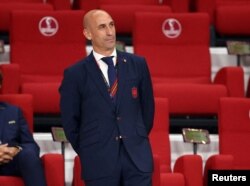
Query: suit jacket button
{"type": "Point", "coordinates": [118, 118]}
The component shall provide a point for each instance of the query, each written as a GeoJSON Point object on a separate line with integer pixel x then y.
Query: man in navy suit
{"type": "Point", "coordinates": [108, 109]}
{"type": "Point", "coordinates": [19, 153]}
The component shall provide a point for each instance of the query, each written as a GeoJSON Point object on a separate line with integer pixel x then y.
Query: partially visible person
{"type": "Point", "coordinates": [19, 153]}
{"type": "Point", "coordinates": [107, 109]}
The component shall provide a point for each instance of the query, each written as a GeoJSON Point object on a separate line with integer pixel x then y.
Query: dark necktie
{"type": "Point", "coordinates": [111, 75]}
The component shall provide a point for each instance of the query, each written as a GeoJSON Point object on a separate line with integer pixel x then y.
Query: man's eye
{"type": "Point", "coordinates": [102, 26]}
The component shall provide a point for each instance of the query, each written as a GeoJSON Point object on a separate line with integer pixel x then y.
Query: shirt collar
{"type": "Point", "coordinates": [99, 56]}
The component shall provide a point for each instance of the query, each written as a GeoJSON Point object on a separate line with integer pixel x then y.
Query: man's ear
{"type": "Point", "coordinates": [87, 34]}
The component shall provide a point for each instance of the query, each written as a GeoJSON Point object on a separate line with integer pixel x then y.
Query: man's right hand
{"type": "Point", "coordinates": [5, 156]}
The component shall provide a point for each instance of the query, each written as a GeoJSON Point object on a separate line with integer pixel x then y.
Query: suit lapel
{"type": "Point", "coordinates": [122, 68]}
{"type": "Point", "coordinates": [96, 74]}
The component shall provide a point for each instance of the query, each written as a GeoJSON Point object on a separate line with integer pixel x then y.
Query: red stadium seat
{"type": "Point", "coordinates": [7, 8]}
{"type": "Point", "coordinates": [21, 1]}
{"type": "Point", "coordinates": [43, 44]}
{"type": "Point", "coordinates": [87, 5]}
{"type": "Point", "coordinates": [238, 28]}
{"type": "Point", "coordinates": [209, 6]}
{"type": "Point", "coordinates": [159, 135]}
{"type": "Point", "coordinates": [176, 47]}
{"type": "Point", "coordinates": [53, 163]}
{"type": "Point", "coordinates": [234, 134]}
{"type": "Point", "coordinates": [60, 4]}
{"type": "Point", "coordinates": [77, 181]}
{"type": "Point", "coordinates": [124, 15]}
{"type": "Point", "coordinates": [220, 11]}
{"type": "Point", "coordinates": [239, 24]}
{"type": "Point", "coordinates": [123, 12]}
{"type": "Point", "coordinates": [159, 139]}
{"type": "Point", "coordinates": [126, 2]}
{"type": "Point", "coordinates": [177, 5]}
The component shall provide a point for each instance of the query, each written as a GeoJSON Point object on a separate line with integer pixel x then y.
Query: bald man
{"type": "Point", "coordinates": [107, 109]}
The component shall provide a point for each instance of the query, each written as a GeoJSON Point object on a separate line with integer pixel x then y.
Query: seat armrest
{"type": "Point", "coordinates": [217, 162]}
{"type": "Point", "coordinates": [173, 179]}
{"type": "Point", "coordinates": [11, 78]}
{"type": "Point", "coordinates": [11, 180]}
{"type": "Point", "coordinates": [191, 167]}
{"type": "Point", "coordinates": [233, 79]}
{"type": "Point", "coordinates": [54, 169]}
{"type": "Point", "coordinates": [77, 180]}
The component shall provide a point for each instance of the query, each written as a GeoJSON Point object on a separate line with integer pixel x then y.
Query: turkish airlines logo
{"type": "Point", "coordinates": [48, 26]}
{"type": "Point", "coordinates": [171, 28]}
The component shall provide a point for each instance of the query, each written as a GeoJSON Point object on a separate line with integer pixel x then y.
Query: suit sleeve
{"type": "Point", "coordinates": [70, 108]}
{"type": "Point", "coordinates": [147, 98]}
{"type": "Point", "coordinates": [26, 138]}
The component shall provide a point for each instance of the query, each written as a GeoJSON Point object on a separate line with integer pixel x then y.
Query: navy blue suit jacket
{"type": "Point", "coordinates": [92, 122]}
{"type": "Point", "coordinates": [14, 129]}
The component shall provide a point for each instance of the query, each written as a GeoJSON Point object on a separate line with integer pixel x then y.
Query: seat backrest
{"type": "Point", "coordinates": [24, 102]}
{"type": "Point", "coordinates": [234, 130]}
{"type": "Point", "coordinates": [231, 2]}
{"type": "Point", "coordinates": [159, 136]}
{"type": "Point", "coordinates": [21, 1]}
{"type": "Point", "coordinates": [209, 6]}
{"type": "Point", "coordinates": [239, 24]}
{"type": "Point", "coordinates": [7, 8]}
{"type": "Point", "coordinates": [45, 43]}
{"type": "Point", "coordinates": [177, 5]}
{"type": "Point", "coordinates": [124, 15]}
{"type": "Point", "coordinates": [134, 2]}
{"type": "Point", "coordinates": [205, 6]}
{"type": "Point", "coordinates": [60, 4]}
{"type": "Point", "coordinates": [176, 46]}
{"type": "Point", "coordinates": [87, 5]}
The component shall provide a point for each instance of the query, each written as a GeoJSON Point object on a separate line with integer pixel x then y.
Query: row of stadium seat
{"type": "Point", "coordinates": [228, 19]}
{"type": "Point", "coordinates": [44, 43]}
{"type": "Point", "coordinates": [234, 131]}
{"type": "Point", "coordinates": [123, 11]}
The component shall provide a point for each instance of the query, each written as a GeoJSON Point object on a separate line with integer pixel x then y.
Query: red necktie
{"type": "Point", "coordinates": [111, 75]}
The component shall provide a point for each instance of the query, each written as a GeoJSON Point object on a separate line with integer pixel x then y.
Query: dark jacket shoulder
{"type": "Point", "coordinates": [5, 105]}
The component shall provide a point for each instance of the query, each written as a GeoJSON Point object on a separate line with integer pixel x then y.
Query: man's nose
{"type": "Point", "coordinates": [109, 30]}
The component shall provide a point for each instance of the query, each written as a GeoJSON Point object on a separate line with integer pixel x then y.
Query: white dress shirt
{"type": "Point", "coordinates": [102, 65]}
